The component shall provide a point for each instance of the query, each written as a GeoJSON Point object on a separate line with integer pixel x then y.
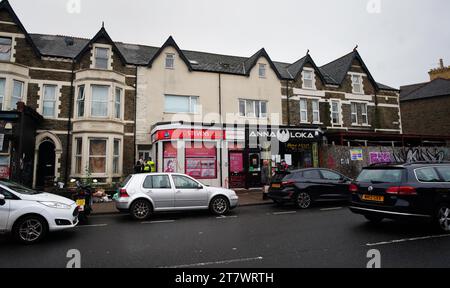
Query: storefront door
{"type": "Point", "coordinates": [236, 169]}
{"type": "Point", "coordinates": [254, 169]}
{"type": "Point", "coordinates": [46, 165]}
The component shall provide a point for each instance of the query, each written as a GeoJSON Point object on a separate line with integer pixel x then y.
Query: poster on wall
{"type": "Point", "coordinates": [170, 157]}
{"type": "Point", "coordinates": [380, 157]}
{"type": "Point", "coordinates": [4, 167]}
{"type": "Point", "coordinates": [201, 161]}
{"type": "Point", "coordinates": [356, 154]}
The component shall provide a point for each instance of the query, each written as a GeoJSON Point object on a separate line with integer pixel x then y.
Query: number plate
{"type": "Point", "coordinates": [276, 185]}
{"type": "Point", "coordinates": [373, 198]}
{"type": "Point", "coordinates": [81, 202]}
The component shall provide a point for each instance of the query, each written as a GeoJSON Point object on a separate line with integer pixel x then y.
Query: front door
{"type": "Point", "coordinates": [188, 194]}
{"type": "Point", "coordinates": [45, 176]}
{"type": "Point", "coordinates": [159, 189]}
{"type": "Point", "coordinates": [236, 169]}
{"type": "Point", "coordinates": [4, 210]}
{"type": "Point", "coordinates": [254, 170]}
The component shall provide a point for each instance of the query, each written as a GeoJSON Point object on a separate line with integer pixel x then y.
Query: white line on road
{"type": "Point", "coordinates": [93, 225]}
{"type": "Point", "coordinates": [407, 240]}
{"type": "Point", "coordinates": [158, 222]}
{"type": "Point", "coordinates": [284, 213]}
{"type": "Point", "coordinates": [216, 262]}
{"type": "Point", "coordinates": [331, 209]}
{"type": "Point", "coordinates": [225, 217]}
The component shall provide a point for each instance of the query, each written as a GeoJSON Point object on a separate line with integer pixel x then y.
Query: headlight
{"type": "Point", "coordinates": [56, 205]}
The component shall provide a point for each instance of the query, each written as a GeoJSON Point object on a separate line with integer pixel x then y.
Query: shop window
{"type": "Point", "coordinates": [116, 156]}
{"type": "Point", "coordinates": [80, 101]}
{"type": "Point", "coordinates": [5, 49]}
{"type": "Point", "coordinates": [180, 104]}
{"type": "Point", "coordinates": [78, 155]}
{"type": "Point", "coordinates": [170, 61]}
{"type": "Point", "coordinates": [2, 93]}
{"type": "Point", "coordinates": [183, 182]}
{"type": "Point", "coordinates": [118, 103]}
{"type": "Point", "coordinates": [170, 157]}
{"type": "Point", "coordinates": [262, 70]}
{"type": "Point", "coordinates": [316, 111]}
{"type": "Point", "coordinates": [17, 94]}
{"type": "Point", "coordinates": [49, 101]}
{"type": "Point", "coordinates": [201, 161]}
{"type": "Point", "coordinates": [101, 58]}
{"type": "Point", "coordinates": [99, 101]}
{"type": "Point", "coordinates": [97, 156]}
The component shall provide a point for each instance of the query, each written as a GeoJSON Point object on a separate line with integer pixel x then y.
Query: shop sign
{"type": "Point", "coordinates": [286, 135]}
{"type": "Point", "coordinates": [189, 134]}
{"type": "Point", "coordinates": [356, 154]}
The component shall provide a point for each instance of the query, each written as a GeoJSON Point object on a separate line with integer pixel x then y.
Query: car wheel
{"type": "Point", "coordinates": [141, 209]}
{"type": "Point", "coordinates": [30, 229]}
{"type": "Point", "coordinates": [219, 205]}
{"type": "Point", "coordinates": [443, 218]}
{"type": "Point", "coordinates": [374, 219]}
{"type": "Point", "coordinates": [303, 200]}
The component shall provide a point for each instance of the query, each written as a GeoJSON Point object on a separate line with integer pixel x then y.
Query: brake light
{"type": "Point", "coordinates": [123, 193]}
{"type": "Point", "coordinates": [353, 188]}
{"type": "Point", "coordinates": [288, 183]}
{"type": "Point", "coordinates": [401, 190]}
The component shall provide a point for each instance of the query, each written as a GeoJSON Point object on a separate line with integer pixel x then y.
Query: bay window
{"type": "Point", "coordinates": [49, 100]}
{"type": "Point", "coordinates": [17, 94]}
{"type": "Point", "coordinates": [2, 93]}
{"type": "Point", "coordinates": [99, 101]}
{"type": "Point", "coordinates": [118, 103]}
{"type": "Point", "coordinates": [303, 110]}
{"type": "Point", "coordinates": [80, 101]}
{"type": "Point", "coordinates": [180, 104]}
{"type": "Point", "coordinates": [97, 156]}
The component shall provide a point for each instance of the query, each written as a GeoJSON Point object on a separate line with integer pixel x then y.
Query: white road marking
{"type": "Point", "coordinates": [215, 263]}
{"type": "Point", "coordinates": [407, 240]}
{"type": "Point", "coordinates": [331, 209]}
{"type": "Point", "coordinates": [93, 225]}
{"type": "Point", "coordinates": [284, 213]}
{"type": "Point", "coordinates": [225, 217]}
{"type": "Point", "coordinates": [158, 222]}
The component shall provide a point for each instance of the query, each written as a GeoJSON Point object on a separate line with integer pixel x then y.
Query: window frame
{"type": "Point", "coordinates": [256, 107]}
{"type": "Point", "coordinates": [106, 102]}
{"type": "Point", "coordinates": [304, 79]}
{"type": "Point", "coordinates": [338, 112]}
{"type": "Point", "coordinates": [106, 140]}
{"type": "Point", "coordinates": [79, 101]}
{"type": "Point", "coordinates": [107, 58]}
{"type": "Point", "coordinates": [55, 100]}
{"type": "Point", "coordinates": [358, 83]}
{"type": "Point", "coordinates": [364, 113]}
{"type": "Point", "coordinates": [118, 103]}
{"type": "Point", "coordinates": [354, 113]}
{"type": "Point", "coordinates": [190, 105]}
{"type": "Point", "coordinates": [169, 57]}
{"type": "Point", "coordinates": [78, 155]}
{"type": "Point", "coordinates": [22, 87]}
{"type": "Point", "coordinates": [3, 94]}
{"type": "Point", "coordinates": [303, 110]}
{"type": "Point", "coordinates": [10, 48]}
{"type": "Point", "coordinates": [316, 111]}
{"type": "Point", "coordinates": [116, 157]}
{"type": "Point", "coordinates": [262, 70]}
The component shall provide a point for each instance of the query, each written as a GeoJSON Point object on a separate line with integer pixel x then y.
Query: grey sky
{"type": "Point", "coordinates": [399, 45]}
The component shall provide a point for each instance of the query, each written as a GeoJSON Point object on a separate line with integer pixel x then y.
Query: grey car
{"type": "Point", "coordinates": [144, 194]}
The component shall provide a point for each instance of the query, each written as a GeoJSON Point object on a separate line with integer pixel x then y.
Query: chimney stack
{"type": "Point", "coordinates": [441, 63]}
{"type": "Point", "coordinates": [440, 72]}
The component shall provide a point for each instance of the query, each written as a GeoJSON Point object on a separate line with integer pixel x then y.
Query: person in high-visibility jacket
{"type": "Point", "coordinates": [150, 166]}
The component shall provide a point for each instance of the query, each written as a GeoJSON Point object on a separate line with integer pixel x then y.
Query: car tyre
{"type": "Point", "coordinates": [30, 229]}
{"type": "Point", "coordinates": [374, 219]}
{"type": "Point", "coordinates": [141, 209]}
{"type": "Point", "coordinates": [219, 205]}
{"type": "Point", "coordinates": [443, 218]}
{"type": "Point", "coordinates": [303, 200]}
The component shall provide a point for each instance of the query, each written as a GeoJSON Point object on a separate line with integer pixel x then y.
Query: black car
{"type": "Point", "coordinates": [415, 190]}
{"type": "Point", "coordinates": [305, 186]}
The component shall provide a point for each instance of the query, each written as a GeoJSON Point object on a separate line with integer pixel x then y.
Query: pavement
{"type": "Point", "coordinates": [260, 236]}
{"type": "Point", "coordinates": [246, 198]}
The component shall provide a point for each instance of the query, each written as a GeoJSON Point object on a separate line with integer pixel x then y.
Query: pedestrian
{"type": "Point", "coordinates": [138, 167]}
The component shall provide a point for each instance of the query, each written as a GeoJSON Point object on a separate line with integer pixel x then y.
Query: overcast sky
{"type": "Point", "coordinates": [399, 40]}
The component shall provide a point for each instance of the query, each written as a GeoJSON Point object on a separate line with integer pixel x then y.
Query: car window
{"type": "Point", "coordinates": [311, 174]}
{"type": "Point", "coordinates": [445, 173]}
{"type": "Point", "coordinates": [157, 182]}
{"type": "Point", "coordinates": [7, 194]}
{"type": "Point", "coordinates": [381, 175]}
{"type": "Point", "coordinates": [427, 175]}
{"type": "Point", "coordinates": [125, 182]}
{"type": "Point", "coordinates": [182, 182]}
{"type": "Point", "coordinates": [330, 175]}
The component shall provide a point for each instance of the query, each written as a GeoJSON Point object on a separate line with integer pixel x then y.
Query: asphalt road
{"type": "Point", "coordinates": [250, 237]}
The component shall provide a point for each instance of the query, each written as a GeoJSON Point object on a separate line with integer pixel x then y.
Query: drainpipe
{"type": "Point", "coordinates": [287, 104]}
{"type": "Point", "coordinates": [135, 118]}
{"type": "Point", "coordinates": [221, 125]}
{"type": "Point", "coordinates": [69, 123]}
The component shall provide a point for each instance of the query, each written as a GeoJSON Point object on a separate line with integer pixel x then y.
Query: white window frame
{"type": "Point", "coordinates": [10, 49]}
{"type": "Point", "coordinates": [257, 109]}
{"type": "Point", "coordinates": [98, 156]}
{"type": "Point", "coordinates": [358, 83]}
{"type": "Point", "coordinates": [305, 72]}
{"type": "Point", "coordinates": [303, 111]}
{"type": "Point", "coordinates": [354, 112]}
{"type": "Point", "coordinates": [118, 103]}
{"type": "Point", "coordinates": [92, 100]}
{"type": "Point", "coordinates": [78, 155]}
{"type": "Point", "coordinates": [108, 57]}
{"type": "Point", "coordinates": [170, 57]}
{"type": "Point", "coordinates": [79, 100]}
{"type": "Point", "coordinates": [338, 112]}
{"type": "Point", "coordinates": [316, 111]}
{"type": "Point", "coordinates": [3, 94]}
{"type": "Point", "coordinates": [262, 71]}
{"type": "Point", "coordinates": [364, 114]}
{"type": "Point", "coordinates": [116, 157]}
{"type": "Point", "coordinates": [55, 100]}
{"type": "Point", "coordinates": [12, 93]}
{"type": "Point", "coordinates": [191, 111]}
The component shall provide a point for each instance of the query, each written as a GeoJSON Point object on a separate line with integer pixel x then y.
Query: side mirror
{"type": "Point", "coordinates": [199, 187]}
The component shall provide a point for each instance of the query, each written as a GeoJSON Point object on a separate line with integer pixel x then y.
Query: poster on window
{"type": "Point", "coordinates": [170, 157]}
{"type": "Point", "coordinates": [201, 161]}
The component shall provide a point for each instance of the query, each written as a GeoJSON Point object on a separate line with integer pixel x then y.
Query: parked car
{"type": "Point", "coordinates": [305, 186]}
{"type": "Point", "coordinates": [29, 214]}
{"type": "Point", "coordinates": [143, 194]}
{"type": "Point", "coordinates": [416, 190]}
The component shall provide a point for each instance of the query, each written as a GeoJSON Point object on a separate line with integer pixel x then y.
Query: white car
{"type": "Point", "coordinates": [143, 194]}
{"type": "Point", "coordinates": [29, 214]}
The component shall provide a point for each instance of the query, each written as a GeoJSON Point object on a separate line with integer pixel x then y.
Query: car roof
{"type": "Point", "coordinates": [406, 165]}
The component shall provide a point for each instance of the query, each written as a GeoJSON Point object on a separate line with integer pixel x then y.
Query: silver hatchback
{"type": "Point", "coordinates": [144, 194]}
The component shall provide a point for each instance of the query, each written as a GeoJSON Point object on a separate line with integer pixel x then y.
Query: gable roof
{"type": "Point", "coordinates": [102, 34]}
{"type": "Point", "coordinates": [170, 42]}
{"type": "Point", "coordinates": [252, 61]}
{"type": "Point", "coordinates": [296, 68]}
{"type": "Point", "coordinates": [436, 88]}
{"type": "Point", "coordinates": [4, 5]}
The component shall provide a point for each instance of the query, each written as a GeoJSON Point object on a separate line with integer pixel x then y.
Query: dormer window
{"type": "Point", "coordinates": [101, 58]}
{"type": "Point", "coordinates": [357, 84]}
{"type": "Point", "coordinates": [308, 79]}
{"type": "Point", "coordinates": [262, 70]}
{"type": "Point", "coordinates": [170, 61]}
{"type": "Point", "coordinates": [5, 49]}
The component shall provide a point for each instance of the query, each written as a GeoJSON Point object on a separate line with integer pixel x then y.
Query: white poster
{"type": "Point", "coordinates": [288, 159]}
{"type": "Point", "coordinates": [2, 139]}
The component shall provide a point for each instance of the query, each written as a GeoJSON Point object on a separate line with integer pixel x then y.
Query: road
{"type": "Point", "coordinates": [263, 236]}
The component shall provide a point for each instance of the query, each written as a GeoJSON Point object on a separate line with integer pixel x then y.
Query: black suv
{"type": "Point", "coordinates": [414, 190]}
{"type": "Point", "coordinates": [305, 186]}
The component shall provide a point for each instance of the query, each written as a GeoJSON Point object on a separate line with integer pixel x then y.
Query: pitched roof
{"type": "Point", "coordinates": [170, 42]}
{"type": "Point", "coordinates": [436, 88]}
{"type": "Point", "coordinates": [296, 68]}
{"type": "Point", "coordinates": [385, 87]}
{"type": "Point", "coordinates": [251, 62]}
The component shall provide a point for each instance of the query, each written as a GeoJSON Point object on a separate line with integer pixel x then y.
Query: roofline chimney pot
{"type": "Point", "coordinates": [441, 63]}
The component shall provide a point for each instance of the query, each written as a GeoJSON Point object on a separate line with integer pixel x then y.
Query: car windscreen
{"type": "Point", "coordinates": [125, 182]}
{"type": "Point", "coordinates": [19, 188]}
{"type": "Point", "coordinates": [381, 176]}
